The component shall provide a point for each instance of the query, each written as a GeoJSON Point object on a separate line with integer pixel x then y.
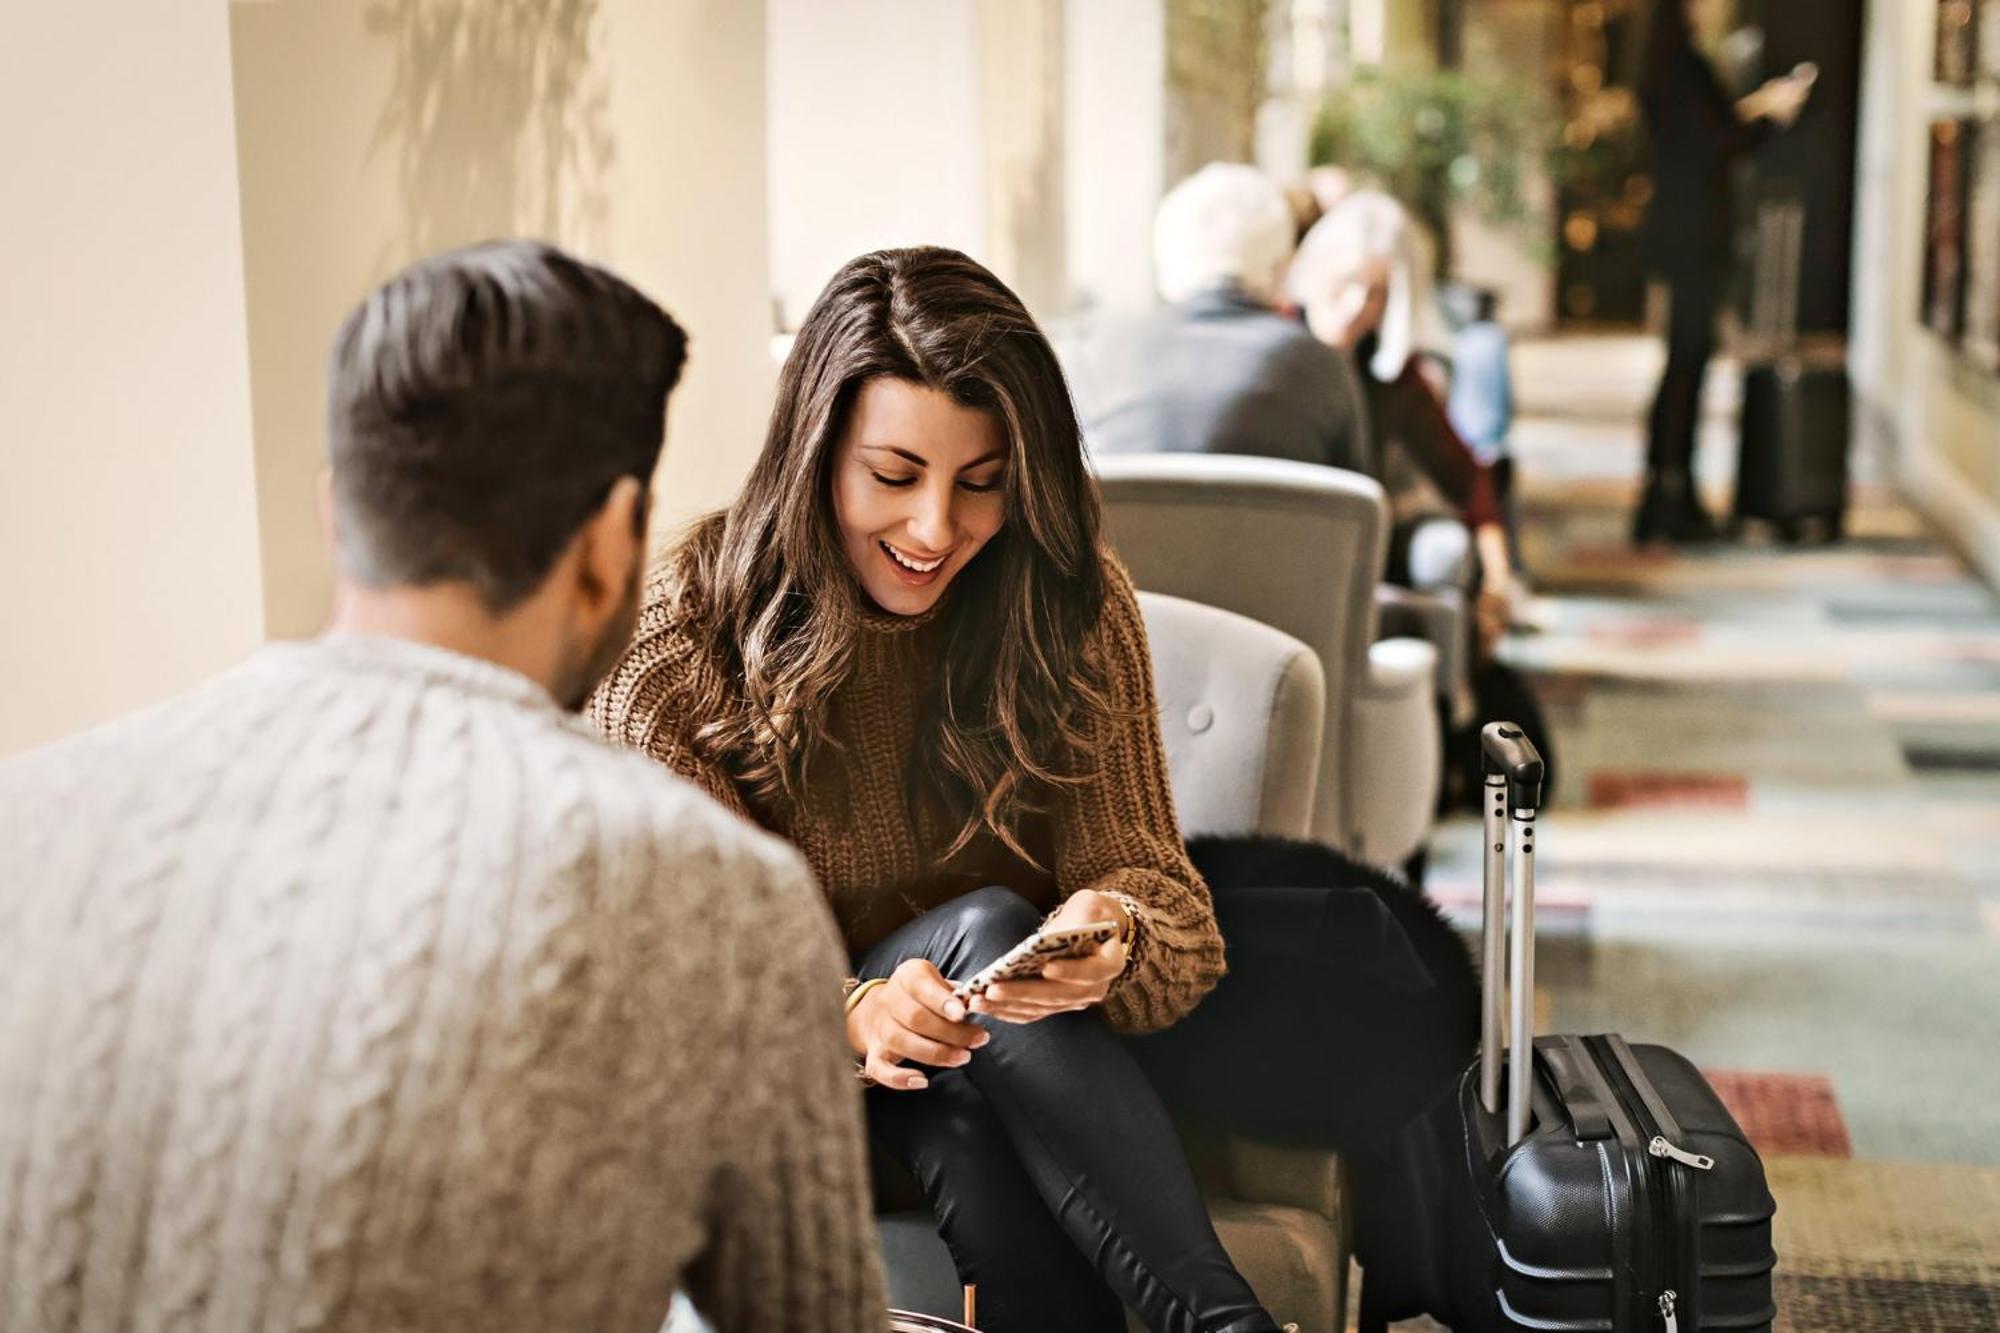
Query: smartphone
{"type": "Point", "coordinates": [1030, 956]}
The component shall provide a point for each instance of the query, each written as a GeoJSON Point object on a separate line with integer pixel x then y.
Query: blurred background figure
{"type": "Point", "coordinates": [1362, 279]}
{"type": "Point", "coordinates": [1481, 399]}
{"type": "Point", "coordinates": [1698, 132]}
{"type": "Point", "coordinates": [1215, 368]}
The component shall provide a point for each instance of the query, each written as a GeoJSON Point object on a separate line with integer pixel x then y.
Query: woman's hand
{"type": "Point", "coordinates": [1067, 984]}
{"type": "Point", "coordinates": [1493, 607]}
{"type": "Point", "coordinates": [911, 1016]}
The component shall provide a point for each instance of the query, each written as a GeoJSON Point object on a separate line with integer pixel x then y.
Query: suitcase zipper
{"type": "Point", "coordinates": [1659, 1147]}
{"type": "Point", "coordinates": [1666, 1205]}
{"type": "Point", "coordinates": [1680, 1183]}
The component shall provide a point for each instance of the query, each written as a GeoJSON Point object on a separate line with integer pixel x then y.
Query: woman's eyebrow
{"type": "Point", "coordinates": [991, 456]}
{"type": "Point", "coordinates": [903, 454]}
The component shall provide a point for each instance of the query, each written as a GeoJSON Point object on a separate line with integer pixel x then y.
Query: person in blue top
{"type": "Point", "coordinates": [1480, 403]}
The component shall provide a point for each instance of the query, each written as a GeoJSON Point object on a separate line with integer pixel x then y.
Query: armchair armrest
{"type": "Point", "coordinates": [1441, 618]}
{"type": "Point", "coordinates": [1397, 752]}
{"type": "Point", "coordinates": [1308, 1178]}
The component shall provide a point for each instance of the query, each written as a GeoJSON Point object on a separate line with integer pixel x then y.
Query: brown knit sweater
{"type": "Point", "coordinates": [880, 866]}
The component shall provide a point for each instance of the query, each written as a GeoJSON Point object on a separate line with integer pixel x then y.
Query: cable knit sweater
{"type": "Point", "coordinates": [879, 866]}
{"type": "Point", "coordinates": [364, 989]}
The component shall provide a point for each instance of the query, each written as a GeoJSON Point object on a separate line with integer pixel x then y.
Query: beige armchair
{"type": "Point", "coordinates": [1241, 710]}
{"type": "Point", "coordinates": [1301, 548]}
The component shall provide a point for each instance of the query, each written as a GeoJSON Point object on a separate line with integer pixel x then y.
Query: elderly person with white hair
{"type": "Point", "coordinates": [1362, 279]}
{"type": "Point", "coordinates": [1217, 369]}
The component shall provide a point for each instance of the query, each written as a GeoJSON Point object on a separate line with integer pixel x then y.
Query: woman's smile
{"type": "Point", "coordinates": [913, 570]}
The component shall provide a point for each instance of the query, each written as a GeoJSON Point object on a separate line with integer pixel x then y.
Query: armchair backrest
{"type": "Point", "coordinates": [1296, 546]}
{"type": "Point", "coordinates": [1242, 711]}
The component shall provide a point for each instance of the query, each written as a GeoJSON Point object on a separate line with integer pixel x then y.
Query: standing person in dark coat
{"type": "Point", "coordinates": [1697, 132]}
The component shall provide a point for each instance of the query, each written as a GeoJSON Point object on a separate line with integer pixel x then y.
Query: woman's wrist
{"type": "Point", "coordinates": [1128, 920]}
{"type": "Point", "coordinates": [856, 989]}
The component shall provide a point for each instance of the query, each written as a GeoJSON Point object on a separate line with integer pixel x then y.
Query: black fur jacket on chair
{"type": "Point", "coordinates": [1340, 975]}
{"type": "Point", "coordinates": [1353, 986]}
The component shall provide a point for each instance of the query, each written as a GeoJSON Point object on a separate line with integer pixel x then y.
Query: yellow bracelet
{"type": "Point", "coordinates": [1128, 924]}
{"type": "Point", "coordinates": [854, 996]}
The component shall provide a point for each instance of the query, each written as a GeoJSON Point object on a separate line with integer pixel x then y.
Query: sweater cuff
{"type": "Point", "coordinates": [1145, 938]}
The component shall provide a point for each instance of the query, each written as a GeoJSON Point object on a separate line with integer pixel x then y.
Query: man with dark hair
{"type": "Point", "coordinates": [363, 987]}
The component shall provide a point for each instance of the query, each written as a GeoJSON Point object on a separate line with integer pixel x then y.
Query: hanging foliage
{"type": "Point", "coordinates": [1443, 138]}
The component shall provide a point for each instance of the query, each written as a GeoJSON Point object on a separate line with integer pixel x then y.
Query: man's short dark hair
{"type": "Point", "coordinates": [481, 405]}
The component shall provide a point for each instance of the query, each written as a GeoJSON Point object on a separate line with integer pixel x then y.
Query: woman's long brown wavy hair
{"type": "Point", "coordinates": [768, 583]}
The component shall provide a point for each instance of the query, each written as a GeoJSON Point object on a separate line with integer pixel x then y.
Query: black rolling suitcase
{"type": "Point", "coordinates": [1791, 458]}
{"type": "Point", "coordinates": [1605, 1187]}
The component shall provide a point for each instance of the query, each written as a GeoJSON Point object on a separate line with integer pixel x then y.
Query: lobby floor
{"type": "Point", "coordinates": [1775, 842]}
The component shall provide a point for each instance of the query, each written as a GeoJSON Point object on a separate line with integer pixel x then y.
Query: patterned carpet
{"type": "Point", "coordinates": [1776, 844]}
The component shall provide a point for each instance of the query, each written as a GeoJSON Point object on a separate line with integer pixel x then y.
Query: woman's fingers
{"type": "Point", "coordinates": [894, 1076]}
{"type": "Point", "coordinates": [1024, 1013]}
{"type": "Point", "coordinates": [902, 1044]}
{"type": "Point", "coordinates": [1096, 969]}
{"type": "Point", "coordinates": [920, 979]}
{"type": "Point", "coordinates": [1014, 1004]}
{"type": "Point", "coordinates": [911, 1013]}
{"type": "Point", "coordinates": [1051, 993]}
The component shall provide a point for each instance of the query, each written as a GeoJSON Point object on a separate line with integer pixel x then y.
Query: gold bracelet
{"type": "Point", "coordinates": [861, 989]}
{"type": "Point", "coordinates": [1128, 922]}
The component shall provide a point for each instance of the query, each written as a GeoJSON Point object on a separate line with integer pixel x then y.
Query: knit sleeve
{"type": "Point", "coordinates": [791, 1235]}
{"type": "Point", "coordinates": [645, 701]}
{"type": "Point", "coordinates": [1117, 833]}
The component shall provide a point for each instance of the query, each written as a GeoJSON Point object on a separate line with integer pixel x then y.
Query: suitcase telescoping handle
{"type": "Point", "coordinates": [1513, 794]}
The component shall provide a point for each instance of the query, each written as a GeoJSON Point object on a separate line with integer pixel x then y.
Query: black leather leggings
{"type": "Point", "coordinates": [1057, 1180]}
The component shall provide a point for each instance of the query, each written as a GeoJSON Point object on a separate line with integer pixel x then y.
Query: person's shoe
{"type": "Point", "coordinates": [1693, 525]}
{"type": "Point", "coordinates": [1669, 511]}
{"type": "Point", "coordinates": [1650, 519]}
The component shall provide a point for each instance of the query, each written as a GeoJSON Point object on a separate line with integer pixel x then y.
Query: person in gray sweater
{"type": "Point", "coordinates": [365, 988]}
{"type": "Point", "coordinates": [1216, 368]}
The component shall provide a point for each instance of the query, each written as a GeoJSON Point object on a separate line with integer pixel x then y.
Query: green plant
{"type": "Point", "coordinates": [1438, 138]}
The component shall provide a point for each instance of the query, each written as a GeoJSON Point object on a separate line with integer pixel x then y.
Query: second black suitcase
{"type": "Point", "coordinates": [1791, 456]}
{"type": "Point", "coordinates": [1791, 463]}
{"type": "Point", "coordinates": [1606, 1187]}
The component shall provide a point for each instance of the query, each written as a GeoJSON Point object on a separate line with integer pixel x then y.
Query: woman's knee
{"type": "Point", "coordinates": [987, 922]}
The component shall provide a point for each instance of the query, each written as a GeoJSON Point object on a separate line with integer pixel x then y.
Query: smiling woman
{"type": "Point", "coordinates": [916, 491]}
{"type": "Point", "coordinates": [905, 649]}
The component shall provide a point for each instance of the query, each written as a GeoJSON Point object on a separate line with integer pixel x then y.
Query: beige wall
{"type": "Point", "coordinates": [1941, 418]}
{"type": "Point", "coordinates": [630, 131]}
{"type": "Point", "coordinates": [128, 524]}
{"type": "Point", "coordinates": [938, 122]}
{"type": "Point", "coordinates": [1114, 152]}
{"type": "Point", "coordinates": [875, 133]}
{"type": "Point", "coordinates": [1020, 45]}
